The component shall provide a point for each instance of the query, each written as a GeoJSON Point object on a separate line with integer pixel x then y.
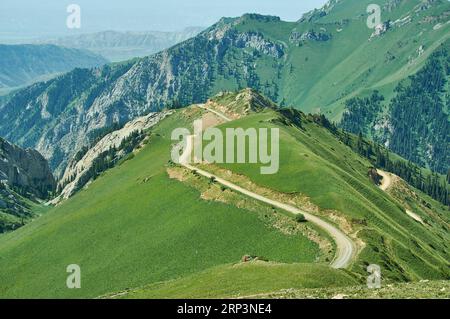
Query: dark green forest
{"type": "Point", "coordinates": [418, 128]}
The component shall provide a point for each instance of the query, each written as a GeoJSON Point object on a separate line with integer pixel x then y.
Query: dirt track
{"type": "Point", "coordinates": [386, 181]}
{"type": "Point", "coordinates": [344, 245]}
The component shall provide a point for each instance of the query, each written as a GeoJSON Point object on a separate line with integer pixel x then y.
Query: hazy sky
{"type": "Point", "coordinates": [42, 18]}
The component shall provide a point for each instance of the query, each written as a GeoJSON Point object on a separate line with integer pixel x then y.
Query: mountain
{"type": "Point", "coordinates": [23, 65]}
{"type": "Point", "coordinates": [120, 46]}
{"type": "Point", "coordinates": [425, 96]}
{"type": "Point", "coordinates": [148, 223]}
{"type": "Point", "coordinates": [25, 177]}
{"type": "Point", "coordinates": [317, 64]}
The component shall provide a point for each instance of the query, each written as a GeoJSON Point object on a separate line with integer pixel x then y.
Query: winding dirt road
{"type": "Point", "coordinates": [345, 247]}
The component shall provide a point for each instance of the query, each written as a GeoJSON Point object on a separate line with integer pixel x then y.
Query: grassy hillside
{"type": "Point", "coordinates": [315, 64]}
{"type": "Point", "coordinates": [133, 226]}
{"type": "Point", "coordinates": [244, 279]}
{"type": "Point", "coordinates": [149, 223]}
{"type": "Point", "coordinates": [318, 74]}
{"type": "Point", "coordinates": [282, 281]}
{"type": "Point", "coordinates": [394, 123]}
{"type": "Point", "coordinates": [314, 163]}
{"type": "Point", "coordinates": [17, 210]}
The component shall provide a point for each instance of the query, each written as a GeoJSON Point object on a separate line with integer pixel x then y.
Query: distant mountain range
{"type": "Point", "coordinates": [120, 46]}
{"type": "Point", "coordinates": [24, 64]}
{"type": "Point", "coordinates": [318, 64]}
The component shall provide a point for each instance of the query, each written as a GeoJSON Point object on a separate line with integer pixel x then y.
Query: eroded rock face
{"type": "Point", "coordinates": [297, 37]}
{"type": "Point", "coordinates": [79, 171]}
{"type": "Point", "coordinates": [25, 169]}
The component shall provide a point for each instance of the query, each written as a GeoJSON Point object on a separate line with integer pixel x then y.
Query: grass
{"type": "Point", "coordinates": [135, 226]}
{"type": "Point", "coordinates": [328, 73]}
{"type": "Point", "coordinates": [314, 163]}
{"type": "Point", "coordinates": [413, 290]}
{"type": "Point", "coordinates": [244, 279]}
{"type": "Point", "coordinates": [125, 232]}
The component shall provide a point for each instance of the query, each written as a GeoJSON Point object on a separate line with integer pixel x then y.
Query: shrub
{"type": "Point", "coordinates": [300, 218]}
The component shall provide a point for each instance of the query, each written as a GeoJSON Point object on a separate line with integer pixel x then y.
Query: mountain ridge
{"type": "Point", "coordinates": [167, 223]}
{"type": "Point", "coordinates": [295, 64]}
{"type": "Point", "coordinates": [119, 46]}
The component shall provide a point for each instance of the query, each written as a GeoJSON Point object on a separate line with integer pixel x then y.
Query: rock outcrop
{"type": "Point", "coordinates": [79, 171]}
{"type": "Point", "coordinates": [25, 177]}
{"type": "Point", "coordinates": [25, 170]}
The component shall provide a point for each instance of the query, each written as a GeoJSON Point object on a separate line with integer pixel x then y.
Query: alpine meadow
{"type": "Point", "coordinates": [254, 158]}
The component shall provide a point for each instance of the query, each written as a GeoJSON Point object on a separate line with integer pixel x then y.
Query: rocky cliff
{"type": "Point", "coordinates": [24, 177]}
{"type": "Point", "coordinates": [26, 170]}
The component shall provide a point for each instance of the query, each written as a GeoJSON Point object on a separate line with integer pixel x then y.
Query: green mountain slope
{"type": "Point", "coordinates": [314, 162]}
{"type": "Point", "coordinates": [423, 96]}
{"type": "Point", "coordinates": [148, 220]}
{"type": "Point", "coordinates": [23, 65]}
{"type": "Point", "coordinates": [134, 225]}
{"type": "Point", "coordinates": [252, 281]}
{"type": "Point", "coordinates": [315, 64]}
{"type": "Point", "coordinates": [245, 279]}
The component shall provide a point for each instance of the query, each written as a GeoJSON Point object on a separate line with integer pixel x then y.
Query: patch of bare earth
{"type": "Point", "coordinates": [191, 113]}
{"type": "Point", "coordinates": [210, 120]}
{"type": "Point", "coordinates": [226, 110]}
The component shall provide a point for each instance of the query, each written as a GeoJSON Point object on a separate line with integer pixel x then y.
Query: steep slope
{"type": "Point", "coordinates": [315, 64]}
{"type": "Point", "coordinates": [24, 178]}
{"type": "Point", "coordinates": [149, 220]}
{"type": "Point", "coordinates": [423, 96]}
{"type": "Point", "coordinates": [120, 46]}
{"type": "Point", "coordinates": [23, 65]}
{"type": "Point", "coordinates": [137, 225]}
{"type": "Point", "coordinates": [104, 154]}
{"type": "Point", "coordinates": [25, 169]}
{"type": "Point", "coordinates": [315, 163]}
